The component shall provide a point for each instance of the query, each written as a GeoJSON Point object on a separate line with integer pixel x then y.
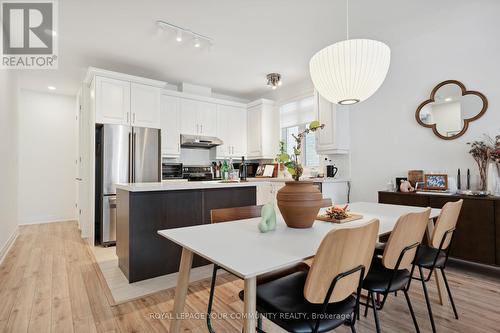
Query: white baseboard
{"type": "Point", "coordinates": [72, 219]}
{"type": "Point", "coordinates": [8, 245]}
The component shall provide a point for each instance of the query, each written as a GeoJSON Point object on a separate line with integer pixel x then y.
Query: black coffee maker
{"type": "Point", "coordinates": [331, 171]}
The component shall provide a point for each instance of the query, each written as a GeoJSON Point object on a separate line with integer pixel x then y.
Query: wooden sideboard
{"type": "Point", "coordinates": [477, 237]}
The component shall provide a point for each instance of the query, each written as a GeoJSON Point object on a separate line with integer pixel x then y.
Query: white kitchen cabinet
{"type": "Point", "coordinates": [145, 105]}
{"type": "Point", "coordinates": [170, 126]}
{"type": "Point", "coordinates": [334, 137]}
{"type": "Point", "coordinates": [262, 130]}
{"type": "Point", "coordinates": [198, 117]}
{"type": "Point", "coordinates": [112, 98]}
{"type": "Point", "coordinates": [239, 132]}
{"type": "Point", "coordinates": [231, 129]}
{"type": "Point", "coordinates": [265, 194]}
{"type": "Point", "coordinates": [189, 123]}
{"type": "Point", "coordinates": [337, 191]}
{"type": "Point", "coordinates": [207, 118]}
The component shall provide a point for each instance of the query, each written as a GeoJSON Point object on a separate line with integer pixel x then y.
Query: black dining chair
{"type": "Point", "coordinates": [435, 255]}
{"type": "Point", "coordinates": [242, 213]}
{"type": "Point", "coordinates": [327, 295]}
{"type": "Point", "coordinates": [392, 271]}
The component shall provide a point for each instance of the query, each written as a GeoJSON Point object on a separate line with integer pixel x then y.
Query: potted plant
{"type": "Point", "coordinates": [282, 158]}
{"type": "Point", "coordinates": [299, 201]}
{"type": "Point", "coordinates": [484, 153]}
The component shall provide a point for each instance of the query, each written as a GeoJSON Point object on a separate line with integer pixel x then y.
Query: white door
{"type": "Point", "coordinates": [189, 121]}
{"type": "Point", "coordinates": [170, 126]}
{"type": "Point", "coordinates": [238, 127]}
{"type": "Point", "coordinates": [112, 101]}
{"type": "Point", "coordinates": [145, 105]}
{"type": "Point", "coordinates": [223, 130]}
{"type": "Point", "coordinates": [207, 118]}
{"type": "Point", "coordinates": [254, 135]}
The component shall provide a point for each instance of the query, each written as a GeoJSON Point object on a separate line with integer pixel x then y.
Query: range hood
{"type": "Point", "coordinates": [197, 141]}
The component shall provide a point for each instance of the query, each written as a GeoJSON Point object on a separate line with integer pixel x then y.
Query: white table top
{"type": "Point", "coordinates": [242, 249]}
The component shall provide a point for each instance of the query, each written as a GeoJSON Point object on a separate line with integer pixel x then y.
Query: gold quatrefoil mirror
{"type": "Point", "coordinates": [450, 109]}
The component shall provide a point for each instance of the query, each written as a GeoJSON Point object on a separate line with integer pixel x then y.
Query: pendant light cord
{"type": "Point", "coordinates": [347, 19]}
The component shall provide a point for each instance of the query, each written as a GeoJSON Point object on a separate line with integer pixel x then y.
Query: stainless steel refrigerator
{"type": "Point", "coordinates": [124, 154]}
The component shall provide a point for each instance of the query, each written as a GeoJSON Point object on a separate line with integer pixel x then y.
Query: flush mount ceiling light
{"type": "Point", "coordinates": [350, 71]}
{"type": "Point", "coordinates": [198, 39]}
{"type": "Point", "coordinates": [274, 80]}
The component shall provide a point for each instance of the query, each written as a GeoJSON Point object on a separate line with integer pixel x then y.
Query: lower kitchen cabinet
{"type": "Point", "coordinates": [477, 237]}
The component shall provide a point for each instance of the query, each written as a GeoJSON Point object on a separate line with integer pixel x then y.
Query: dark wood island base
{"type": "Point", "coordinates": [142, 253]}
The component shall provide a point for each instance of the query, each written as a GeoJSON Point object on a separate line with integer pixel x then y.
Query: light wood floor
{"type": "Point", "coordinates": [50, 283]}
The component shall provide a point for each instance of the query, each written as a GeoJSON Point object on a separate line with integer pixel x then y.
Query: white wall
{"type": "Point", "coordinates": [386, 140]}
{"type": "Point", "coordinates": [8, 152]}
{"type": "Point", "coordinates": [47, 147]}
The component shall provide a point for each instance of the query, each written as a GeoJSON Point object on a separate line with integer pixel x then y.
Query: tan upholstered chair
{"type": "Point", "coordinates": [321, 299]}
{"type": "Point", "coordinates": [392, 272]}
{"type": "Point", "coordinates": [435, 256]}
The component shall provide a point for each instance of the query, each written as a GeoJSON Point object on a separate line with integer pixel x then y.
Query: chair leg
{"type": "Point", "coordinates": [411, 311]}
{"type": "Point", "coordinates": [377, 324]}
{"type": "Point", "coordinates": [449, 293]}
{"type": "Point", "coordinates": [427, 300]}
{"type": "Point", "coordinates": [366, 305]}
{"type": "Point", "coordinates": [211, 299]}
{"type": "Point", "coordinates": [353, 329]}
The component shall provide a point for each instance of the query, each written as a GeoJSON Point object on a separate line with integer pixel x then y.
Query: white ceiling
{"type": "Point", "coordinates": [253, 38]}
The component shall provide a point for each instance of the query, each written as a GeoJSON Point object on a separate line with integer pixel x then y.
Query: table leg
{"type": "Point", "coordinates": [250, 308]}
{"type": "Point", "coordinates": [181, 289]}
{"type": "Point", "coordinates": [430, 230]}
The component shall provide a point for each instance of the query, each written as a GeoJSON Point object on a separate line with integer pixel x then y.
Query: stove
{"type": "Point", "coordinates": [197, 173]}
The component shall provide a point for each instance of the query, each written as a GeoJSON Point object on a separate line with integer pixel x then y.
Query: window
{"type": "Point", "coordinates": [308, 157]}
{"type": "Point", "coordinates": [295, 118]}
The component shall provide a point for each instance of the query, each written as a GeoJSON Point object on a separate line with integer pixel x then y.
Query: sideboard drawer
{"type": "Point", "coordinates": [406, 199]}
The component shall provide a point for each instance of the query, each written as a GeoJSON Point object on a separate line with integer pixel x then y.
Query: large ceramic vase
{"type": "Point", "coordinates": [299, 203]}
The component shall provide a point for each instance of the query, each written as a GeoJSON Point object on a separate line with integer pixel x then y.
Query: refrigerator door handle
{"type": "Point", "coordinates": [130, 157]}
{"type": "Point", "coordinates": [134, 138]}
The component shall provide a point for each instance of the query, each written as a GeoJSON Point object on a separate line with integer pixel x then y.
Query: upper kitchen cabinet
{"type": "Point", "coordinates": [262, 130]}
{"type": "Point", "coordinates": [334, 138]}
{"type": "Point", "coordinates": [207, 118]}
{"type": "Point", "coordinates": [170, 117]}
{"type": "Point", "coordinates": [198, 117]}
{"type": "Point", "coordinates": [112, 101]}
{"type": "Point", "coordinates": [231, 129]}
{"type": "Point", "coordinates": [145, 105]}
{"type": "Point", "coordinates": [124, 99]}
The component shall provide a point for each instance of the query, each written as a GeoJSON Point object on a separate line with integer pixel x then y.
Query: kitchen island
{"type": "Point", "coordinates": [144, 208]}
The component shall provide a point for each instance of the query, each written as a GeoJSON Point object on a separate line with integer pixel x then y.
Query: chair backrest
{"type": "Point", "coordinates": [447, 220]}
{"type": "Point", "coordinates": [236, 213]}
{"type": "Point", "coordinates": [409, 229]}
{"type": "Point", "coordinates": [340, 251]}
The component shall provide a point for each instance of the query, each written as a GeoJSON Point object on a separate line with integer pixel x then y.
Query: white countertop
{"type": "Point", "coordinates": [316, 180]}
{"type": "Point", "coordinates": [179, 185]}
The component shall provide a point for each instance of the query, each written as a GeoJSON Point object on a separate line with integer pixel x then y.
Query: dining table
{"type": "Point", "coordinates": [241, 249]}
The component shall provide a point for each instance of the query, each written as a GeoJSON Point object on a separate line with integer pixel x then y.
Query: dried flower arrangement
{"type": "Point", "coordinates": [483, 153]}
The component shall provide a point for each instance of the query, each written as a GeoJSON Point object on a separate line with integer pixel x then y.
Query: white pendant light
{"type": "Point", "coordinates": [350, 71]}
